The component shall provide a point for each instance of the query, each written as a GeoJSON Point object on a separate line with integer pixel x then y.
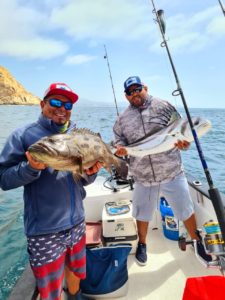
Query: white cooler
{"type": "Point", "coordinates": [118, 225]}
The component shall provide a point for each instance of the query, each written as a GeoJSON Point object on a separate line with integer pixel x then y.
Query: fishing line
{"type": "Point", "coordinates": [213, 191]}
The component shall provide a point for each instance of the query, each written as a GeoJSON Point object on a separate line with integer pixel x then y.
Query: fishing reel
{"type": "Point", "coordinates": [213, 239]}
{"type": "Point", "coordinates": [115, 182]}
{"type": "Point", "coordinates": [120, 180]}
{"type": "Point", "coordinates": [213, 243]}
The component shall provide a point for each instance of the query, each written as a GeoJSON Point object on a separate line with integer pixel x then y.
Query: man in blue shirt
{"type": "Point", "coordinates": [53, 201]}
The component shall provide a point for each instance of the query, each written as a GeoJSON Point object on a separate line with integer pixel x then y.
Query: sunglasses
{"type": "Point", "coordinates": [58, 103]}
{"type": "Point", "coordinates": [136, 90]}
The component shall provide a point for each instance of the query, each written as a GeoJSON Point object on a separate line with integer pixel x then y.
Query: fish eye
{"type": "Point", "coordinates": [196, 122]}
{"type": "Point", "coordinates": [51, 140]}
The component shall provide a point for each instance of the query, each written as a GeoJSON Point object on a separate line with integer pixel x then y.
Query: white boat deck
{"type": "Point", "coordinates": [164, 276]}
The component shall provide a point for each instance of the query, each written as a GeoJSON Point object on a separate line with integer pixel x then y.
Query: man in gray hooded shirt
{"type": "Point", "coordinates": [155, 175]}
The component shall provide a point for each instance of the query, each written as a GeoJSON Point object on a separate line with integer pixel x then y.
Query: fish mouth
{"type": "Point", "coordinates": [42, 148]}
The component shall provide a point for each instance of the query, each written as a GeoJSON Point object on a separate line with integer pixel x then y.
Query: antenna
{"type": "Point", "coordinates": [110, 75]}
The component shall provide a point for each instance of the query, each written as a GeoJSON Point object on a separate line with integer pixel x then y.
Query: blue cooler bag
{"type": "Point", "coordinates": [169, 222]}
{"type": "Point", "coordinates": [106, 269]}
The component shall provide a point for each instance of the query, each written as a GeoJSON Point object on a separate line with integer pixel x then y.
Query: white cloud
{"type": "Point", "coordinates": [23, 22]}
{"type": "Point", "coordinates": [102, 19]}
{"type": "Point", "coordinates": [50, 22]}
{"type": "Point", "coordinates": [216, 27]}
{"type": "Point", "coordinates": [21, 34]}
{"type": "Point", "coordinates": [39, 29]}
{"type": "Point", "coordinates": [34, 48]}
{"type": "Point", "coordinates": [78, 59]}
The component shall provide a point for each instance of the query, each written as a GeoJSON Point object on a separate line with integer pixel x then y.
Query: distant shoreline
{"type": "Point", "coordinates": [109, 105]}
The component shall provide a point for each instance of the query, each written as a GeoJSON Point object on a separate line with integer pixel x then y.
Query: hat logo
{"type": "Point", "coordinates": [63, 87]}
{"type": "Point", "coordinates": [130, 81]}
{"type": "Point", "coordinates": [133, 79]}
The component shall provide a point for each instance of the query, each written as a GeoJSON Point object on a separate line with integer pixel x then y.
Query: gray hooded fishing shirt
{"type": "Point", "coordinates": [135, 123]}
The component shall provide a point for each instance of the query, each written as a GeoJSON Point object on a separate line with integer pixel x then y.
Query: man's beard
{"type": "Point", "coordinates": [138, 103]}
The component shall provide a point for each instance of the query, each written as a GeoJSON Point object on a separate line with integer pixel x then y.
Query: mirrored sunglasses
{"type": "Point", "coordinates": [136, 90]}
{"type": "Point", "coordinates": [58, 103]}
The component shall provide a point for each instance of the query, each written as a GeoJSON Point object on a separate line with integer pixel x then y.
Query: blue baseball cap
{"type": "Point", "coordinates": [130, 81]}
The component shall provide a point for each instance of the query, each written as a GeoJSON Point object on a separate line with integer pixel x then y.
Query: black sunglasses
{"type": "Point", "coordinates": [58, 103]}
{"type": "Point", "coordinates": [136, 90]}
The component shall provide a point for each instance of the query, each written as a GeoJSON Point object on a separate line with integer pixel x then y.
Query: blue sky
{"type": "Point", "coordinates": [48, 41]}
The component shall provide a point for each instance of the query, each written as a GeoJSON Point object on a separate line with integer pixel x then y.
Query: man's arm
{"type": "Point", "coordinates": [119, 138]}
{"type": "Point", "coordinates": [15, 170]}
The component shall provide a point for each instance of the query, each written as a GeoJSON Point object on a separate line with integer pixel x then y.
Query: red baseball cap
{"type": "Point", "coordinates": [61, 89]}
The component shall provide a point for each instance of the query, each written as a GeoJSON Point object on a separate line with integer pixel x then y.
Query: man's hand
{"type": "Point", "coordinates": [121, 151]}
{"type": "Point", "coordinates": [182, 145]}
{"type": "Point", "coordinates": [35, 164]}
{"type": "Point", "coordinates": [94, 169]}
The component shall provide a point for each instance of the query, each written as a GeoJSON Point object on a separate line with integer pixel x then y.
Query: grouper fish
{"type": "Point", "coordinates": [76, 151]}
{"type": "Point", "coordinates": [177, 129]}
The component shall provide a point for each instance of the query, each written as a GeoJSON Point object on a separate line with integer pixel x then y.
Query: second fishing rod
{"type": "Point", "coordinates": [213, 191]}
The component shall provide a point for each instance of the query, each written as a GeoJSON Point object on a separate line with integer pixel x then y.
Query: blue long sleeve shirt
{"type": "Point", "coordinates": [53, 201]}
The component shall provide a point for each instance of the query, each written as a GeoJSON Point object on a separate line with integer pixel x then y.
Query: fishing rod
{"type": "Point", "coordinates": [222, 7]}
{"type": "Point", "coordinates": [130, 181]}
{"type": "Point", "coordinates": [110, 75]}
{"type": "Point", "coordinates": [213, 191]}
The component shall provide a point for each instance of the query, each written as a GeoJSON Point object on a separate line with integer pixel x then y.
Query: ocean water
{"type": "Point", "coordinates": [13, 255]}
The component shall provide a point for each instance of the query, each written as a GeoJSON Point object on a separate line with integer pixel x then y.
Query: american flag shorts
{"type": "Point", "coordinates": [50, 253]}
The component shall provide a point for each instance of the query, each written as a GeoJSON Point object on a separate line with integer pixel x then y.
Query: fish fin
{"type": "Point", "coordinates": [91, 163]}
{"type": "Point", "coordinates": [121, 167]}
{"type": "Point", "coordinates": [110, 147]}
{"type": "Point", "coordinates": [78, 160]}
{"type": "Point", "coordinates": [174, 117]}
{"type": "Point", "coordinates": [83, 131]}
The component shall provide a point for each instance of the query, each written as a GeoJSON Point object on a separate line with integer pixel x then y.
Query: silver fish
{"type": "Point", "coordinates": [76, 151]}
{"type": "Point", "coordinates": [164, 140]}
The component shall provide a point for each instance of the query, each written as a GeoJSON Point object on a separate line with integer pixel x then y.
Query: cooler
{"type": "Point", "coordinates": [118, 225]}
{"type": "Point", "coordinates": [169, 222]}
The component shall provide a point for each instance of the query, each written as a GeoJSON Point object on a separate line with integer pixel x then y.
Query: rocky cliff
{"type": "Point", "coordinates": [12, 92]}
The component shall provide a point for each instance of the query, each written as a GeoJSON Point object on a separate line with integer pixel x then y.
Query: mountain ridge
{"type": "Point", "coordinates": [12, 92]}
